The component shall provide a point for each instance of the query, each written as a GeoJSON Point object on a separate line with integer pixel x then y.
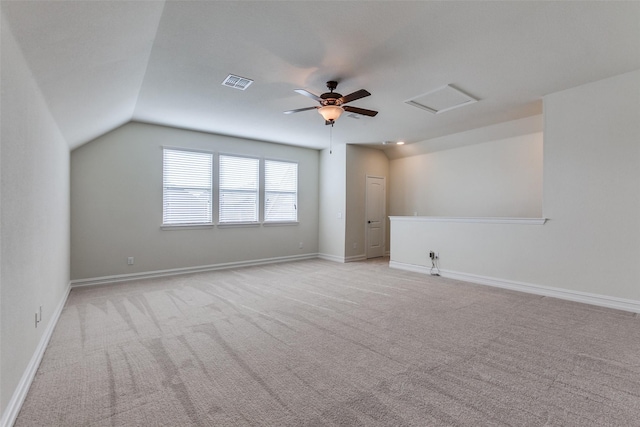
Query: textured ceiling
{"type": "Point", "coordinates": [101, 64]}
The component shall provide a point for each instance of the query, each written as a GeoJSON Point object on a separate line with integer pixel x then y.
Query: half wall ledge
{"type": "Point", "coordinates": [480, 220]}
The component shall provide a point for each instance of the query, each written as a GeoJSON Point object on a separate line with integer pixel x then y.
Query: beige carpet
{"type": "Point", "coordinates": [316, 343]}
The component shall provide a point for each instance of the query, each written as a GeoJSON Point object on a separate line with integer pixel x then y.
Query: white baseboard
{"type": "Point", "coordinates": [333, 258]}
{"type": "Point", "coordinates": [12, 410]}
{"type": "Point", "coordinates": [354, 258]}
{"type": "Point", "coordinates": [186, 270]}
{"type": "Point", "coordinates": [409, 267]}
{"type": "Point", "coordinates": [566, 294]}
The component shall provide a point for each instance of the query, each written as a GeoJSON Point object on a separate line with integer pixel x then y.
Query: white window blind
{"type": "Point", "coordinates": [281, 191]}
{"type": "Point", "coordinates": [238, 189]}
{"type": "Point", "coordinates": [186, 194]}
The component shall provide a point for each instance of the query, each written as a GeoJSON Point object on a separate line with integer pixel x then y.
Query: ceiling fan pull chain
{"type": "Point", "coordinates": [331, 139]}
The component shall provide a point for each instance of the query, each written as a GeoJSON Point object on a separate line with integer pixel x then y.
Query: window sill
{"type": "Point", "coordinates": [185, 226]}
{"type": "Point", "coordinates": [228, 225]}
{"type": "Point", "coordinates": [238, 224]}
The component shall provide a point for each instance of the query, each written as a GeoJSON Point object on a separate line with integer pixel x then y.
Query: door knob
{"type": "Point", "coordinates": [368, 222]}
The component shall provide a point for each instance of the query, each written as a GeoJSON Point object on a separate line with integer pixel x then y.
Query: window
{"type": "Point", "coordinates": [238, 189]}
{"type": "Point", "coordinates": [280, 191]}
{"type": "Point", "coordinates": [188, 189]}
{"type": "Point", "coordinates": [186, 195]}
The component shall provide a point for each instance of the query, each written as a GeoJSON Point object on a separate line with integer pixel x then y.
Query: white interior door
{"type": "Point", "coordinates": [375, 216]}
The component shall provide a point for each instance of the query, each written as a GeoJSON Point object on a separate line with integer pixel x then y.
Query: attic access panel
{"type": "Point", "coordinates": [442, 99]}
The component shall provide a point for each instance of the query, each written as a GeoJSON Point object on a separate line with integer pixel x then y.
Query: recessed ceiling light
{"type": "Point", "coordinates": [400, 143]}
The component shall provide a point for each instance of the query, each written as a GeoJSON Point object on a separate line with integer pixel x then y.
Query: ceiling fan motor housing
{"type": "Point", "coordinates": [331, 98]}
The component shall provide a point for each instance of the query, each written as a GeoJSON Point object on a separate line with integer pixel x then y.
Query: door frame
{"type": "Point", "coordinates": [384, 214]}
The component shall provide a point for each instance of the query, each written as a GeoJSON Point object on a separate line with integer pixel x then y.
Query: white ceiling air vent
{"type": "Point", "coordinates": [237, 82]}
{"type": "Point", "coordinates": [442, 99]}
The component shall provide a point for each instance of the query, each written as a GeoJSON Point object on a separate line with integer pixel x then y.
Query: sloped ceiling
{"type": "Point", "coordinates": [102, 64]}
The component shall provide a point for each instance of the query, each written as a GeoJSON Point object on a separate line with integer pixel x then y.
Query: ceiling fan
{"type": "Point", "coordinates": [332, 103]}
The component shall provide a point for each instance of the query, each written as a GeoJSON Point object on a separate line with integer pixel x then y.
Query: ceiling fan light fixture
{"type": "Point", "coordinates": [330, 112]}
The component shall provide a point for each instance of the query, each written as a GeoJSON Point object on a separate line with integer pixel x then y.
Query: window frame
{"type": "Point", "coordinates": [219, 192]}
{"type": "Point", "coordinates": [215, 191]}
{"type": "Point", "coordinates": [264, 185]}
{"type": "Point", "coordinates": [204, 224]}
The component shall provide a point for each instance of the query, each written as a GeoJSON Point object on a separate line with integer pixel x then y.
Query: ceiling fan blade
{"type": "Point", "coordinates": [300, 109]}
{"type": "Point", "coordinates": [362, 111]}
{"type": "Point", "coordinates": [309, 94]}
{"type": "Point", "coordinates": [353, 96]}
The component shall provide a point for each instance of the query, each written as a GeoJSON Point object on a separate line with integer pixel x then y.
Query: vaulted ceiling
{"type": "Point", "coordinates": [100, 64]}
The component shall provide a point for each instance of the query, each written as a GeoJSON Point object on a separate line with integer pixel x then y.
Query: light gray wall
{"type": "Point", "coordinates": [499, 131]}
{"type": "Point", "coordinates": [592, 185]}
{"type": "Point", "coordinates": [34, 216]}
{"type": "Point", "coordinates": [501, 178]}
{"type": "Point", "coordinates": [362, 161]}
{"type": "Point", "coordinates": [116, 206]}
{"type": "Point", "coordinates": [332, 212]}
{"type": "Point", "coordinates": [591, 175]}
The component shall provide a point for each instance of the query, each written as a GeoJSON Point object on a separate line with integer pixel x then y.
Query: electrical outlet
{"type": "Point", "coordinates": [130, 260]}
{"type": "Point", "coordinates": [355, 245]}
{"type": "Point", "coordinates": [432, 255]}
{"type": "Point", "coordinates": [300, 245]}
